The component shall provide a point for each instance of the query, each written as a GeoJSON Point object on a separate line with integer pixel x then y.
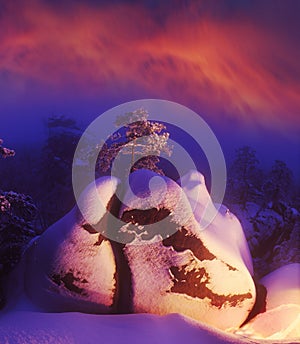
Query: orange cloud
{"type": "Point", "coordinates": [232, 67]}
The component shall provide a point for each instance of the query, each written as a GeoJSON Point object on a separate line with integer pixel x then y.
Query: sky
{"type": "Point", "coordinates": [234, 62]}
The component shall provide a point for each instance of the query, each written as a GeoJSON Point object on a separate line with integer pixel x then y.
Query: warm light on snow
{"type": "Point", "coordinates": [205, 275]}
{"type": "Point", "coordinates": [282, 317]}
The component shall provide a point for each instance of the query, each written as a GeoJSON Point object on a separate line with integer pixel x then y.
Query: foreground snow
{"type": "Point", "coordinates": [281, 318]}
{"type": "Point", "coordinates": [44, 328]}
{"type": "Point", "coordinates": [24, 323]}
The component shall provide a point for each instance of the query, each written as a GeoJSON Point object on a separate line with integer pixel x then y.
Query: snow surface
{"type": "Point", "coordinates": [281, 320]}
{"type": "Point", "coordinates": [23, 327]}
{"type": "Point", "coordinates": [94, 199]}
{"type": "Point", "coordinates": [283, 286]}
{"type": "Point", "coordinates": [225, 230]}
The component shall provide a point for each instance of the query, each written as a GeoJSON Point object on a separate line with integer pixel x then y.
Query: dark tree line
{"type": "Point", "coordinates": [54, 173]}
{"type": "Point", "coordinates": [247, 182]}
{"type": "Point", "coordinates": [17, 227]}
{"type": "Point", "coordinates": [267, 204]}
{"type": "Point", "coordinates": [44, 174]}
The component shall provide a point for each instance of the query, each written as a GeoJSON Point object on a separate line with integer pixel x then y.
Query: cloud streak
{"type": "Point", "coordinates": [234, 64]}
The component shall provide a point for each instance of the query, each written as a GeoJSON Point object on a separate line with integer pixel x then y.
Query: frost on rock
{"type": "Point", "coordinates": [71, 267]}
{"type": "Point", "coordinates": [281, 319]}
{"type": "Point", "coordinates": [177, 267]}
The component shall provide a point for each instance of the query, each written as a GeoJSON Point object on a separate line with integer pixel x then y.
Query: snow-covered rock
{"type": "Point", "coordinates": [175, 265]}
{"type": "Point", "coordinates": [166, 263]}
{"type": "Point", "coordinates": [71, 267]}
{"type": "Point", "coordinates": [226, 229]}
{"type": "Point", "coordinates": [281, 319]}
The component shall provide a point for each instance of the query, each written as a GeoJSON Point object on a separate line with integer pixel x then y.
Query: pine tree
{"type": "Point", "coordinates": [278, 185]}
{"type": "Point", "coordinates": [244, 176]}
{"type": "Point", "coordinates": [56, 196]}
{"type": "Point", "coordinates": [138, 137]}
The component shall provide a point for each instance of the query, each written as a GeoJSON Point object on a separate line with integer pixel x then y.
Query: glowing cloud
{"type": "Point", "coordinates": [231, 66]}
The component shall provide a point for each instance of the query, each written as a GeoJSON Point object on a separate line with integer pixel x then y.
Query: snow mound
{"type": "Point", "coordinates": [281, 320]}
{"type": "Point", "coordinates": [283, 286]}
{"type": "Point", "coordinates": [176, 266]}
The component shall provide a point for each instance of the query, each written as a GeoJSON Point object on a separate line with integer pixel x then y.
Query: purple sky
{"type": "Point", "coordinates": [236, 63]}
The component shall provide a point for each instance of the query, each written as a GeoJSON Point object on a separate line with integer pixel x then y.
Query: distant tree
{"type": "Point", "coordinates": [244, 176]}
{"type": "Point", "coordinates": [5, 152]}
{"type": "Point", "coordinates": [55, 176]}
{"type": "Point", "coordinates": [278, 184]}
{"type": "Point", "coordinates": [140, 137]}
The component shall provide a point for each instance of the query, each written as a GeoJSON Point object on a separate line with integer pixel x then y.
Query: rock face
{"type": "Point", "coordinates": [159, 260]}
{"type": "Point", "coordinates": [71, 267]}
{"type": "Point", "coordinates": [177, 267]}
